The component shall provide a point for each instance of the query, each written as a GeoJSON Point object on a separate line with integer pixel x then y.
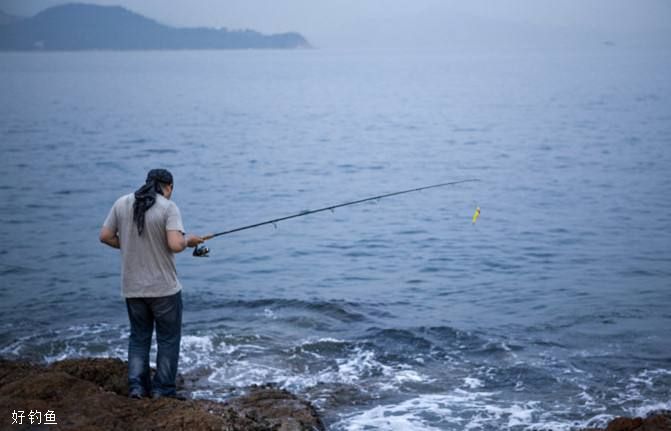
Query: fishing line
{"type": "Point", "coordinates": [203, 251]}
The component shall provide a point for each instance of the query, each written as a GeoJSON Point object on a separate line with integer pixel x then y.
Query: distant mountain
{"type": "Point", "coordinates": [6, 18]}
{"type": "Point", "coordinates": [89, 27]}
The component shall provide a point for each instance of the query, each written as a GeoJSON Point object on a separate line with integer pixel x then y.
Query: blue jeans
{"type": "Point", "coordinates": [166, 311]}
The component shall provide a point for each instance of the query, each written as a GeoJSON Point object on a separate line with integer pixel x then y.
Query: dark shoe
{"type": "Point", "coordinates": [135, 394]}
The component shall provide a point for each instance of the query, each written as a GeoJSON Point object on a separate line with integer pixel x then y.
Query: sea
{"type": "Point", "coordinates": [551, 312]}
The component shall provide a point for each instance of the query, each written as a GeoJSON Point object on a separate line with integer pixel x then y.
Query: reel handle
{"type": "Point", "coordinates": [202, 250]}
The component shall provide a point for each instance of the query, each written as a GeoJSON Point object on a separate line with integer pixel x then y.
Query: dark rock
{"type": "Point", "coordinates": [91, 394]}
{"type": "Point", "coordinates": [277, 409]}
{"type": "Point", "coordinates": [655, 421]}
{"type": "Point", "coordinates": [624, 424]}
{"type": "Point", "coordinates": [110, 374]}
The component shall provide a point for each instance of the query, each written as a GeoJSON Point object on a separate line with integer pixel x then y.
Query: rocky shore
{"type": "Point", "coordinates": [92, 394]}
{"type": "Point", "coordinates": [655, 421]}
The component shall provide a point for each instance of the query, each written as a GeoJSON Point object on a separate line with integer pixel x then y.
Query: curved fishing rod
{"type": "Point", "coordinates": [202, 251]}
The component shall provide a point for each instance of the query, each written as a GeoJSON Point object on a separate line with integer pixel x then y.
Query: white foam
{"type": "Point", "coordinates": [247, 348]}
{"type": "Point", "coordinates": [203, 394]}
{"type": "Point", "coordinates": [200, 351]}
{"type": "Point", "coordinates": [13, 349]}
{"type": "Point", "coordinates": [194, 342]}
{"type": "Point", "coordinates": [404, 376]}
{"type": "Point", "coordinates": [597, 421]}
{"type": "Point", "coordinates": [97, 340]}
{"type": "Point", "coordinates": [399, 417]}
{"type": "Point", "coordinates": [643, 410]}
{"type": "Point", "coordinates": [473, 383]}
{"type": "Point", "coordinates": [242, 373]}
{"type": "Point", "coordinates": [473, 410]}
{"type": "Point", "coordinates": [642, 383]}
{"type": "Point", "coordinates": [361, 364]}
{"type": "Point", "coordinates": [195, 350]}
{"type": "Point", "coordinates": [458, 409]}
{"type": "Point", "coordinates": [517, 414]}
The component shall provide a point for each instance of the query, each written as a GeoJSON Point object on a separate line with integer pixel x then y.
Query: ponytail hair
{"type": "Point", "coordinates": [145, 196]}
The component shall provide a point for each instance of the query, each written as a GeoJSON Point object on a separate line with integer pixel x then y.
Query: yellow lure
{"type": "Point", "coordinates": [476, 215]}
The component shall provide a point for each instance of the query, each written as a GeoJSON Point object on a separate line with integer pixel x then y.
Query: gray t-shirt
{"type": "Point", "coordinates": [147, 263]}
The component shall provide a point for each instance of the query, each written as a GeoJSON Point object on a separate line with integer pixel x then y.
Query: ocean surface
{"type": "Point", "coordinates": [553, 311]}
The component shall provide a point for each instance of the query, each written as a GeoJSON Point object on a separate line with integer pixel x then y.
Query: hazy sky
{"type": "Point", "coordinates": [349, 24]}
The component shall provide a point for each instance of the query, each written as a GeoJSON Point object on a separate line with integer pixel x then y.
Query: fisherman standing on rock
{"type": "Point", "coordinates": [147, 227]}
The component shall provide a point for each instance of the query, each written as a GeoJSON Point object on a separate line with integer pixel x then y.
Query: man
{"type": "Point", "coordinates": [147, 227]}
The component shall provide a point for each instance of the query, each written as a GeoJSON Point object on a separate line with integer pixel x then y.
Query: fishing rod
{"type": "Point", "coordinates": [202, 251]}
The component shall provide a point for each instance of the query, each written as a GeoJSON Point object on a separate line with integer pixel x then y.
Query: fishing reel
{"type": "Point", "coordinates": [201, 251]}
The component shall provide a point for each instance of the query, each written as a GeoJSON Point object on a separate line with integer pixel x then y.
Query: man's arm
{"type": "Point", "coordinates": [177, 241]}
{"type": "Point", "coordinates": [109, 237]}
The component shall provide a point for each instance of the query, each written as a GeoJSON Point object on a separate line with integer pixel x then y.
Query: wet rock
{"type": "Point", "coordinates": [91, 394]}
{"type": "Point", "coordinates": [278, 409]}
{"type": "Point", "coordinates": [109, 374]}
{"type": "Point", "coordinates": [655, 421]}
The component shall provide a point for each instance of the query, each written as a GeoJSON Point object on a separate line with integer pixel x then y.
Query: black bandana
{"type": "Point", "coordinates": [145, 196]}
